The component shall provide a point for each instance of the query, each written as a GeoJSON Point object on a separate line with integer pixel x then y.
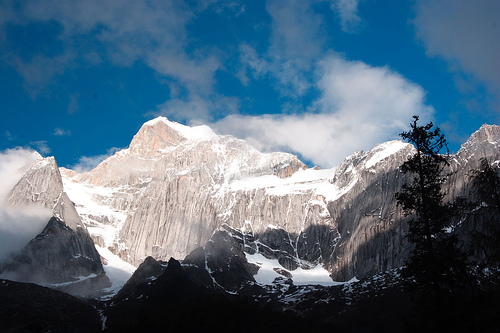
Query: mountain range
{"type": "Point", "coordinates": [236, 220]}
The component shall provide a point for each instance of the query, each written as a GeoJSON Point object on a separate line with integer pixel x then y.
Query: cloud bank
{"type": "Point", "coordinates": [359, 107]}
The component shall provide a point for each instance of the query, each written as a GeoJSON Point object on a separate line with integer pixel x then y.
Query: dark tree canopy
{"type": "Point", "coordinates": [435, 261]}
{"type": "Point", "coordinates": [485, 183]}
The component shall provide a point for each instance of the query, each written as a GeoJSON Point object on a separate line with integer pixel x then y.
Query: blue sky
{"type": "Point", "coordinates": [321, 79]}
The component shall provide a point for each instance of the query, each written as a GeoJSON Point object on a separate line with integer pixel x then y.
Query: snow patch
{"type": "Point", "coordinates": [384, 150]}
{"type": "Point", "coordinates": [266, 274]}
{"type": "Point", "coordinates": [83, 195]}
{"type": "Point", "coordinates": [117, 270]}
{"type": "Point", "coordinates": [301, 181]}
{"type": "Point", "coordinates": [198, 133]}
{"type": "Point", "coordinates": [78, 279]}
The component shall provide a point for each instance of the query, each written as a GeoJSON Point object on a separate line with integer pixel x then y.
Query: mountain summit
{"type": "Point", "coordinates": [158, 135]}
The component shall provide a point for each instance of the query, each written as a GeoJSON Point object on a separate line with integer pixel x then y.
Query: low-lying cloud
{"type": "Point", "coordinates": [18, 225]}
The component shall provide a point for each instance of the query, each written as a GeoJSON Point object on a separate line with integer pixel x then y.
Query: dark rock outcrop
{"type": "Point", "coordinates": [27, 307]}
{"type": "Point", "coordinates": [62, 258]}
{"type": "Point", "coordinates": [174, 302]}
{"type": "Point", "coordinates": [148, 271]}
{"type": "Point", "coordinates": [226, 261]}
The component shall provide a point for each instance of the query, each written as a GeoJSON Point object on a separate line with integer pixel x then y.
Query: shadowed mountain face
{"type": "Point", "coordinates": [62, 258]}
{"type": "Point", "coordinates": [186, 297]}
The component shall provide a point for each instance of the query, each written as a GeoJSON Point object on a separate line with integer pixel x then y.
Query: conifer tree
{"type": "Point", "coordinates": [435, 264]}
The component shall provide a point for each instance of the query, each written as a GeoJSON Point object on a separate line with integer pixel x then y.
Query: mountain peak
{"type": "Point", "coordinates": [160, 133]}
{"type": "Point", "coordinates": [490, 133]}
{"type": "Point", "coordinates": [486, 137]}
{"type": "Point", "coordinates": [201, 132]}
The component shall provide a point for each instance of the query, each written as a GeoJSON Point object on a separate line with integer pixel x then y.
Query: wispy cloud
{"type": "Point", "coordinates": [40, 70]}
{"type": "Point", "coordinates": [120, 32]}
{"type": "Point", "coordinates": [295, 43]}
{"type": "Point", "coordinates": [73, 104]}
{"type": "Point", "coordinates": [348, 14]}
{"type": "Point", "coordinates": [359, 105]}
{"type": "Point", "coordinates": [61, 132]}
{"type": "Point", "coordinates": [87, 163]}
{"type": "Point", "coordinates": [9, 136]}
{"type": "Point", "coordinates": [13, 163]}
{"type": "Point", "coordinates": [296, 33]}
{"type": "Point", "coordinates": [466, 33]}
{"type": "Point", "coordinates": [41, 146]}
{"type": "Point", "coordinates": [196, 108]}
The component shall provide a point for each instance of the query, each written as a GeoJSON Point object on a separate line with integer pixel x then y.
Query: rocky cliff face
{"type": "Point", "coordinates": [42, 185]}
{"type": "Point", "coordinates": [63, 254]}
{"type": "Point", "coordinates": [371, 225]}
{"type": "Point", "coordinates": [175, 186]}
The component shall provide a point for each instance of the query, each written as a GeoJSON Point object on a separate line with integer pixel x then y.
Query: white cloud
{"type": "Point", "coordinates": [122, 32]}
{"type": "Point", "coordinates": [13, 163]}
{"type": "Point", "coordinates": [17, 224]}
{"type": "Point", "coordinates": [466, 33]}
{"type": "Point", "coordinates": [251, 59]}
{"type": "Point", "coordinates": [360, 106]}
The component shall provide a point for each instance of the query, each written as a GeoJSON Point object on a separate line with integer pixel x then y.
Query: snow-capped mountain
{"type": "Point", "coordinates": [255, 236]}
{"type": "Point", "coordinates": [180, 191]}
{"type": "Point", "coordinates": [175, 186]}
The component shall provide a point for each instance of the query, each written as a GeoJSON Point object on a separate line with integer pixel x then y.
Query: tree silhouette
{"type": "Point", "coordinates": [435, 266]}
